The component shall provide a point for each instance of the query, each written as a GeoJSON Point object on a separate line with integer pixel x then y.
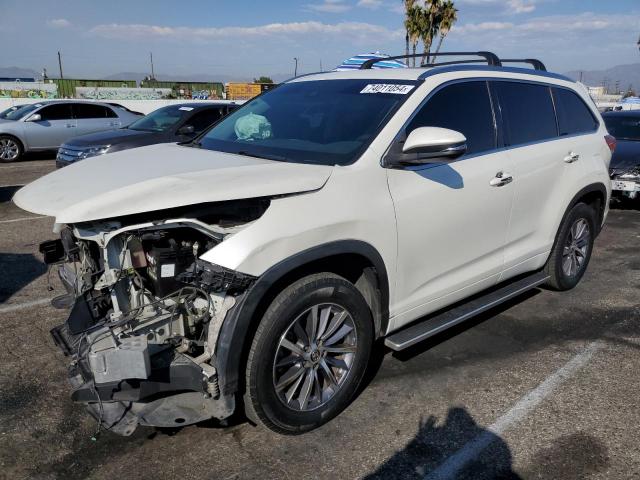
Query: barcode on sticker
{"type": "Point", "coordinates": [387, 88]}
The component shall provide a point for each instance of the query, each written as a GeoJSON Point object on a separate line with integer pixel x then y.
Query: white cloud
{"type": "Point", "coordinates": [372, 4]}
{"type": "Point", "coordinates": [59, 23]}
{"type": "Point", "coordinates": [329, 6]}
{"type": "Point", "coordinates": [510, 6]}
{"type": "Point", "coordinates": [364, 32]}
{"type": "Point", "coordinates": [520, 6]}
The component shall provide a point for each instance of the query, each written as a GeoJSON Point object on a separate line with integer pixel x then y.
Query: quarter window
{"type": "Point", "coordinates": [527, 112]}
{"type": "Point", "coordinates": [464, 107]}
{"type": "Point", "coordinates": [573, 115]}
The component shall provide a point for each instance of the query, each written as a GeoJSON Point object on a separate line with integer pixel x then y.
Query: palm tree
{"type": "Point", "coordinates": [414, 21]}
{"type": "Point", "coordinates": [449, 17]}
{"type": "Point", "coordinates": [408, 7]}
{"type": "Point", "coordinates": [432, 16]}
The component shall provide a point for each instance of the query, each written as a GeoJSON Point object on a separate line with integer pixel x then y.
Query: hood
{"type": "Point", "coordinates": [158, 177]}
{"type": "Point", "coordinates": [626, 155]}
{"type": "Point", "coordinates": [114, 138]}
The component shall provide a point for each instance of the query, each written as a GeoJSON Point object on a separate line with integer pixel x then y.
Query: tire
{"type": "Point", "coordinates": [11, 149]}
{"type": "Point", "coordinates": [570, 255]}
{"type": "Point", "coordinates": [292, 408]}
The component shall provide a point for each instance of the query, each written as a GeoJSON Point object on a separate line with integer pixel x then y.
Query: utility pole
{"type": "Point", "coordinates": [321, 66]}
{"type": "Point", "coordinates": [153, 76]}
{"type": "Point", "coordinates": [60, 65]}
{"type": "Point", "coordinates": [295, 71]}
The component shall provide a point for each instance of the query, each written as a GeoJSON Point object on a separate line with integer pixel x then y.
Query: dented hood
{"type": "Point", "coordinates": [159, 177]}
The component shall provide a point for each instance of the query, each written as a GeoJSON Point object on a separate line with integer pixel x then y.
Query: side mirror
{"type": "Point", "coordinates": [186, 130]}
{"type": "Point", "coordinates": [36, 117]}
{"type": "Point", "coordinates": [435, 142]}
{"type": "Point", "coordinates": [429, 145]}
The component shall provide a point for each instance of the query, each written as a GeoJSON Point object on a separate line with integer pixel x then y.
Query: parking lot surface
{"type": "Point", "coordinates": [543, 387]}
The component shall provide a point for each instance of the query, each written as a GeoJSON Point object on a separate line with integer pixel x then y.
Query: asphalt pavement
{"type": "Point", "coordinates": [545, 387]}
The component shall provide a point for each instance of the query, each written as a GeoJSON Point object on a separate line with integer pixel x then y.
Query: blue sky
{"type": "Point", "coordinates": [250, 38]}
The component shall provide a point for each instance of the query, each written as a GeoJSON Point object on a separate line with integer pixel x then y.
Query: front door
{"type": "Point", "coordinates": [451, 218]}
{"type": "Point", "coordinates": [54, 127]}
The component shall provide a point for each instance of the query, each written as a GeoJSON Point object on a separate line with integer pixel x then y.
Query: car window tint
{"type": "Point", "coordinates": [60, 111]}
{"type": "Point", "coordinates": [89, 110]}
{"type": "Point", "coordinates": [201, 120]}
{"type": "Point", "coordinates": [573, 115]}
{"type": "Point", "coordinates": [527, 112]}
{"type": "Point", "coordinates": [464, 107]}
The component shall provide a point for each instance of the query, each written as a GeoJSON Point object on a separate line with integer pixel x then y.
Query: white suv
{"type": "Point", "coordinates": [261, 262]}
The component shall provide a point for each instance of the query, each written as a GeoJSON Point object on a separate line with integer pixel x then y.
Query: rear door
{"type": "Point", "coordinates": [94, 118]}
{"type": "Point", "coordinates": [451, 218]}
{"type": "Point", "coordinates": [539, 171]}
{"type": "Point", "coordinates": [54, 127]}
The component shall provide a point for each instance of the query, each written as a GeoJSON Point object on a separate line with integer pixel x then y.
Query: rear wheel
{"type": "Point", "coordinates": [309, 354]}
{"type": "Point", "coordinates": [10, 149]}
{"type": "Point", "coordinates": [572, 250]}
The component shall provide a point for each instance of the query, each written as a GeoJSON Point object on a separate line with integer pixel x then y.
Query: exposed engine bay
{"type": "Point", "coordinates": [145, 314]}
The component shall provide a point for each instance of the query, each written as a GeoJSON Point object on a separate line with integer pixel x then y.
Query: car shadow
{"type": "Point", "coordinates": [458, 448]}
{"type": "Point", "coordinates": [440, 173]}
{"type": "Point", "coordinates": [18, 271]}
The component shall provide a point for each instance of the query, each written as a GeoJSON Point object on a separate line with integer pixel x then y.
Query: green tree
{"type": "Point", "coordinates": [262, 79]}
{"type": "Point", "coordinates": [449, 16]}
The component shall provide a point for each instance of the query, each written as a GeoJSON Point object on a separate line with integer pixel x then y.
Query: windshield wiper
{"type": "Point", "coordinates": [264, 157]}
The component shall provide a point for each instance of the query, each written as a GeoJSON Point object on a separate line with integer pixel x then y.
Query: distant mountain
{"type": "Point", "coordinates": [18, 72]}
{"type": "Point", "coordinates": [624, 74]}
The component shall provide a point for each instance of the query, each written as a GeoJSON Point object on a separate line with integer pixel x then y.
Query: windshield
{"type": "Point", "coordinates": [328, 122]}
{"type": "Point", "coordinates": [162, 119]}
{"type": "Point", "coordinates": [623, 127]}
{"type": "Point", "coordinates": [19, 111]}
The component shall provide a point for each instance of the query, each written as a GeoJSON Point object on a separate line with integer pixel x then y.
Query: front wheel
{"type": "Point", "coordinates": [309, 354]}
{"type": "Point", "coordinates": [572, 249]}
{"type": "Point", "coordinates": [10, 149]}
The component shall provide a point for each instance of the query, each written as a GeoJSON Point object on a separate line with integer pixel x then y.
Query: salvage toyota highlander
{"type": "Point", "coordinates": [258, 264]}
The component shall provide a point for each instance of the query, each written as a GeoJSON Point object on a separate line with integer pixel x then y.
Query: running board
{"type": "Point", "coordinates": [433, 325]}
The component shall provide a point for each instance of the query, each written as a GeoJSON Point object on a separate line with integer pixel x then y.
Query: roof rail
{"type": "Point", "coordinates": [535, 63]}
{"type": "Point", "coordinates": [491, 59]}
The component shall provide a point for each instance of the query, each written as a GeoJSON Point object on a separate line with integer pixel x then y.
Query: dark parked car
{"type": "Point", "coordinates": [174, 123]}
{"type": "Point", "coordinates": [625, 163]}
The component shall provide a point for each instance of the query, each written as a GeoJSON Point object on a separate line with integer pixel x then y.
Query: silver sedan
{"type": "Point", "coordinates": [47, 125]}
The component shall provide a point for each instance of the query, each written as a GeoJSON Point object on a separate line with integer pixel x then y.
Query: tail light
{"type": "Point", "coordinates": [611, 142]}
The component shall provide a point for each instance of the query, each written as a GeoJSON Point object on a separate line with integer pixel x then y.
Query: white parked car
{"type": "Point", "coordinates": [264, 259]}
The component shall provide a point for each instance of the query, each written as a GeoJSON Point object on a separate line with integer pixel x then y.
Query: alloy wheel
{"type": "Point", "coordinates": [9, 149]}
{"type": "Point", "coordinates": [574, 253]}
{"type": "Point", "coordinates": [314, 357]}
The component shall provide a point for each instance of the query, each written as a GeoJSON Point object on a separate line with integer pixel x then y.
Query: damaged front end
{"type": "Point", "coordinates": [145, 314]}
{"type": "Point", "coordinates": [625, 182]}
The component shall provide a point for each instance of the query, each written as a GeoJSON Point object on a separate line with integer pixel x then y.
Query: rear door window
{"type": "Point", "coordinates": [464, 107]}
{"type": "Point", "coordinates": [527, 112]}
{"type": "Point", "coordinates": [59, 111]}
{"type": "Point", "coordinates": [574, 116]}
{"type": "Point", "coordinates": [89, 110]}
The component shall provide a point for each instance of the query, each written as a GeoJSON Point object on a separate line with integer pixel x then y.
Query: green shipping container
{"type": "Point", "coordinates": [67, 86]}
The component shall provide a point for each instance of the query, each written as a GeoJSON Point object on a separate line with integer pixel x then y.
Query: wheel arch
{"type": "Point", "coordinates": [343, 257]}
{"type": "Point", "coordinates": [594, 195]}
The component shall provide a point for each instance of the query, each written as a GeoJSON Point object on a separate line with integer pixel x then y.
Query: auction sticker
{"type": "Point", "coordinates": [387, 88]}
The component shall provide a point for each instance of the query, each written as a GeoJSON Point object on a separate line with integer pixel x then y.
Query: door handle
{"type": "Point", "coordinates": [572, 157]}
{"type": "Point", "coordinates": [501, 179]}
{"type": "Point", "coordinates": [70, 125]}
